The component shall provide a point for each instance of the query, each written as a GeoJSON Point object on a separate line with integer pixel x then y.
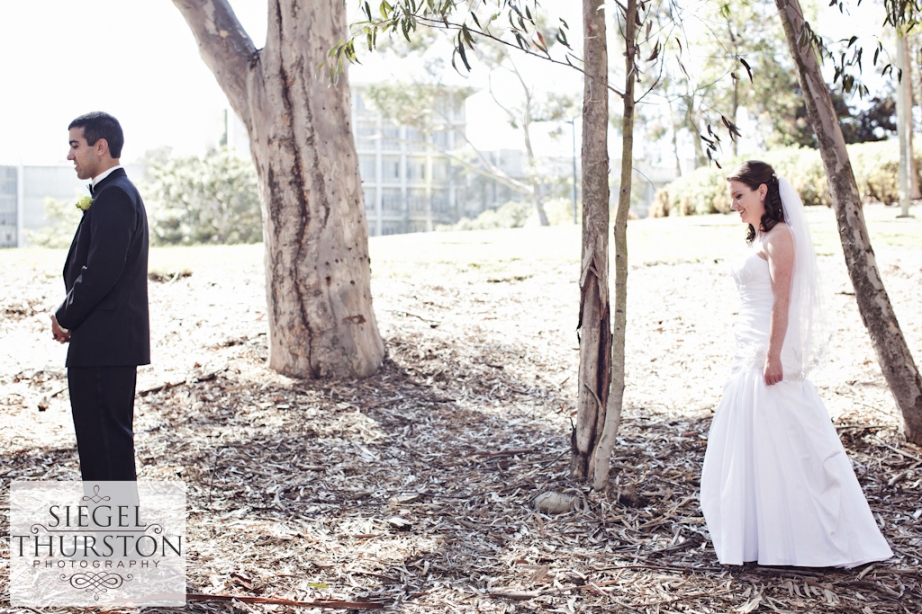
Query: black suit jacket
{"type": "Point", "coordinates": [105, 276]}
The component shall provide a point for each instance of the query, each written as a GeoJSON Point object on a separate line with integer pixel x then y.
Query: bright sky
{"type": "Point", "coordinates": [138, 60]}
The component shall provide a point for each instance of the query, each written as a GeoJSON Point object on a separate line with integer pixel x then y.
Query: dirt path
{"type": "Point", "coordinates": [296, 487]}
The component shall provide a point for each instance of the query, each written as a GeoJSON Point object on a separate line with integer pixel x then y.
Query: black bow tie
{"type": "Point", "coordinates": [90, 187]}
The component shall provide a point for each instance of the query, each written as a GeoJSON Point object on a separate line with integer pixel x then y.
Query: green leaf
{"type": "Point", "coordinates": [467, 36]}
{"type": "Point", "coordinates": [463, 54]}
{"type": "Point", "coordinates": [318, 585]}
{"type": "Point", "coordinates": [748, 69]}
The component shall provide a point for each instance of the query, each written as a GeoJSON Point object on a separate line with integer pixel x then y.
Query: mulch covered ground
{"type": "Point", "coordinates": [415, 488]}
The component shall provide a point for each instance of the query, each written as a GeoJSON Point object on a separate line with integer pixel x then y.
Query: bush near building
{"type": "Point", "coordinates": [876, 168]}
{"type": "Point", "coordinates": [516, 214]}
{"type": "Point", "coordinates": [62, 219]}
{"type": "Point", "coordinates": [192, 200]}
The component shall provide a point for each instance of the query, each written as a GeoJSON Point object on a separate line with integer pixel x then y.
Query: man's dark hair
{"type": "Point", "coordinates": [98, 125]}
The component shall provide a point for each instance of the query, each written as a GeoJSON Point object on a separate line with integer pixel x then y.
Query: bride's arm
{"type": "Point", "coordinates": [779, 247]}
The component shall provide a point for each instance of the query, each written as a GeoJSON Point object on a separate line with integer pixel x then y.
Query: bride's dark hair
{"type": "Point", "coordinates": [754, 173]}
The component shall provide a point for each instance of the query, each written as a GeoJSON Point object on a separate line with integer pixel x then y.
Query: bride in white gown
{"type": "Point", "coordinates": [777, 486]}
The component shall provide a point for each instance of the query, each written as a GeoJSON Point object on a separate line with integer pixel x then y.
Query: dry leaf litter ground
{"type": "Point", "coordinates": [415, 488]}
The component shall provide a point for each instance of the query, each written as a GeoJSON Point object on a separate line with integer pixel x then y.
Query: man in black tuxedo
{"type": "Point", "coordinates": [105, 315]}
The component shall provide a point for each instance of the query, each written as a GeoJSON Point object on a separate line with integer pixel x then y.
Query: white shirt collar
{"type": "Point", "coordinates": [105, 174]}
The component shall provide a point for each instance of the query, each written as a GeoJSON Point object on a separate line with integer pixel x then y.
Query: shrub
{"type": "Point", "coordinates": [194, 200]}
{"type": "Point", "coordinates": [512, 214]}
{"type": "Point", "coordinates": [704, 191]}
{"type": "Point", "coordinates": [63, 217]}
{"type": "Point", "coordinates": [560, 211]}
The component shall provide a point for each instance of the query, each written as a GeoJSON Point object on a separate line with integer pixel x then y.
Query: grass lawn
{"type": "Point", "coordinates": [661, 240]}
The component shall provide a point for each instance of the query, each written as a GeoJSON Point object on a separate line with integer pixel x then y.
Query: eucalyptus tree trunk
{"type": "Point", "coordinates": [904, 121]}
{"type": "Point", "coordinates": [893, 354]}
{"type": "Point", "coordinates": [594, 310]}
{"type": "Point", "coordinates": [616, 390]}
{"type": "Point", "coordinates": [533, 173]}
{"type": "Point", "coordinates": [691, 124]}
{"type": "Point", "coordinates": [321, 322]}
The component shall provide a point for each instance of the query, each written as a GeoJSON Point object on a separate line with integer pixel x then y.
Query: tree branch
{"type": "Point", "coordinates": [225, 47]}
{"type": "Point", "coordinates": [438, 24]}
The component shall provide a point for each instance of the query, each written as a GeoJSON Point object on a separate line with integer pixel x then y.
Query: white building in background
{"type": "Point", "coordinates": [24, 189]}
{"type": "Point", "coordinates": [409, 181]}
{"type": "Point", "coordinates": [412, 182]}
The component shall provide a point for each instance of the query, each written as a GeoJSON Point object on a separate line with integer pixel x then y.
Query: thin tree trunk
{"type": "Point", "coordinates": [321, 322]}
{"type": "Point", "coordinates": [904, 121]}
{"type": "Point", "coordinates": [675, 142]}
{"type": "Point", "coordinates": [429, 223]}
{"type": "Point", "coordinates": [534, 175]}
{"type": "Point", "coordinates": [616, 389]}
{"type": "Point", "coordinates": [914, 164]}
{"type": "Point", "coordinates": [594, 310]}
{"type": "Point", "coordinates": [893, 354]}
{"type": "Point", "coordinates": [736, 82]}
{"type": "Point", "coordinates": [692, 126]}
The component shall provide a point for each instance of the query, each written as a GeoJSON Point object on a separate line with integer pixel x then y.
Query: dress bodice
{"type": "Point", "coordinates": [753, 324]}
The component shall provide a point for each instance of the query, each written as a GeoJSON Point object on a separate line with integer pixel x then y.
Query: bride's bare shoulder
{"type": "Point", "coordinates": [780, 233]}
{"type": "Point", "coordinates": [779, 239]}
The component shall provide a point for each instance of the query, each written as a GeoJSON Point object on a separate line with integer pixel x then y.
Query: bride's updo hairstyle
{"type": "Point", "coordinates": [754, 173]}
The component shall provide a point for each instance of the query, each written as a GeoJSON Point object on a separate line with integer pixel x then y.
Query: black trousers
{"type": "Point", "coordinates": [102, 402]}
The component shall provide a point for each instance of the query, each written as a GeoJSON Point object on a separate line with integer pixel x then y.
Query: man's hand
{"type": "Point", "coordinates": [60, 335]}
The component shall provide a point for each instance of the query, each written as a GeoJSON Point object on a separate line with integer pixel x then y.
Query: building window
{"type": "Point", "coordinates": [366, 136]}
{"type": "Point", "coordinates": [416, 199]}
{"type": "Point", "coordinates": [367, 168]}
{"type": "Point", "coordinates": [390, 140]}
{"type": "Point", "coordinates": [391, 200]}
{"type": "Point", "coordinates": [416, 169]}
{"type": "Point", "coordinates": [440, 202]}
{"type": "Point", "coordinates": [390, 169]}
{"type": "Point", "coordinates": [416, 140]}
{"type": "Point", "coordinates": [440, 170]}
{"type": "Point", "coordinates": [392, 228]}
{"type": "Point", "coordinates": [369, 195]}
{"type": "Point", "coordinates": [441, 140]}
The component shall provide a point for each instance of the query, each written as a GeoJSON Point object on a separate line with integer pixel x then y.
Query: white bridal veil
{"type": "Point", "coordinates": [808, 329]}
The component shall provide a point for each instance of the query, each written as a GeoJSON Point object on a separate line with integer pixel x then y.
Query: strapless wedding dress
{"type": "Point", "coordinates": [777, 486]}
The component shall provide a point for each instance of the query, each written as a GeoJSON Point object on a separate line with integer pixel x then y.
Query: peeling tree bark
{"type": "Point", "coordinates": [893, 354]}
{"type": "Point", "coordinates": [616, 390]}
{"type": "Point", "coordinates": [594, 309]}
{"type": "Point", "coordinates": [321, 322]}
{"type": "Point", "coordinates": [908, 180]}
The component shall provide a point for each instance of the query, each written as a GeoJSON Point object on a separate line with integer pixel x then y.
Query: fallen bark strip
{"type": "Point", "coordinates": [505, 452]}
{"type": "Point", "coordinates": [666, 567]}
{"type": "Point", "coordinates": [378, 403]}
{"type": "Point", "coordinates": [161, 388]}
{"type": "Point", "coordinates": [897, 450]}
{"type": "Point", "coordinates": [195, 380]}
{"type": "Point", "coordinates": [515, 595]}
{"type": "Point", "coordinates": [434, 323]}
{"type": "Point", "coordinates": [342, 605]}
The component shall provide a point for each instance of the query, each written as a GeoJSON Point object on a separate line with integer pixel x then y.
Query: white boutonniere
{"type": "Point", "coordinates": [84, 203]}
